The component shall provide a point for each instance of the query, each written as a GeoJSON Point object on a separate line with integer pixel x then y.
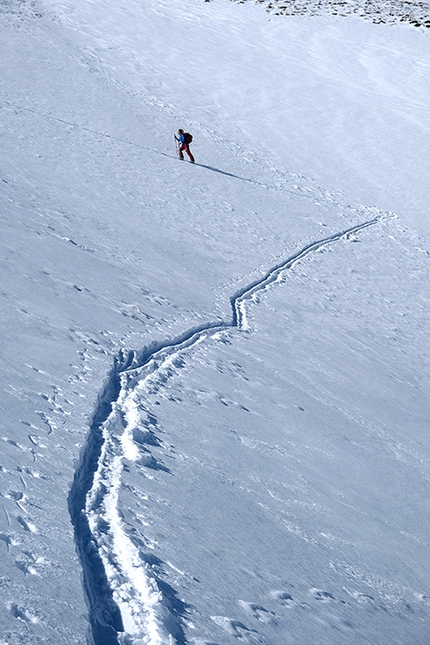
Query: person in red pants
{"type": "Point", "coordinates": [184, 139]}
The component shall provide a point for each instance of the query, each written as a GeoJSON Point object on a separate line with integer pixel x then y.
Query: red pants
{"type": "Point", "coordinates": [182, 147]}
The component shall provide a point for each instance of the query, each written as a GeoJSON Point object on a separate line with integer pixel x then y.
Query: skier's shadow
{"type": "Point", "coordinates": [230, 174]}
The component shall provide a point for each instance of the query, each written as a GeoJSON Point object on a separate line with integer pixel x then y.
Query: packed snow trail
{"type": "Point", "coordinates": [125, 603]}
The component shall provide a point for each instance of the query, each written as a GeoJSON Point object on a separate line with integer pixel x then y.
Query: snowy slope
{"type": "Point", "coordinates": [337, 99]}
{"type": "Point", "coordinates": [215, 378]}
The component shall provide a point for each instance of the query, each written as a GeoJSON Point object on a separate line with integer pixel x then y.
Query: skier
{"type": "Point", "coordinates": [184, 139]}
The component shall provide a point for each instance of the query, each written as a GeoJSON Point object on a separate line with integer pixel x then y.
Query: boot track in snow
{"type": "Point", "coordinates": [127, 605]}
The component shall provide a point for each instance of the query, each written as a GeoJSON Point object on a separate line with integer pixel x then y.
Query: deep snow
{"type": "Point", "coordinates": [203, 441]}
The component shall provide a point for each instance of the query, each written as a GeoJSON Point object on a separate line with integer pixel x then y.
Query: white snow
{"type": "Point", "coordinates": [215, 377]}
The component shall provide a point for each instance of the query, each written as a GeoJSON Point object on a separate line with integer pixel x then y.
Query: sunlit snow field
{"type": "Point", "coordinates": [215, 378]}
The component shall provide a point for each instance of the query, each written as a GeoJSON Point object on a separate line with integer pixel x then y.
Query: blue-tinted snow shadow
{"type": "Point", "coordinates": [104, 616]}
{"type": "Point", "coordinates": [177, 608]}
{"type": "Point", "coordinates": [230, 174]}
{"type": "Point", "coordinates": [103, 613]}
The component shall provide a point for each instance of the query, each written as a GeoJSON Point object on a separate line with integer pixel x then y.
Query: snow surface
{"type": "Point", "coordinates": [215, 377]}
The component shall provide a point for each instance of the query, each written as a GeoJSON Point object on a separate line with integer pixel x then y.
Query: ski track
{"type": "Point", "coordinates": [127, 604]}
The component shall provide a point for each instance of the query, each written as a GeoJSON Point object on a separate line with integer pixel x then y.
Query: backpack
{"type": "Point", "coordinates": [188, 137]}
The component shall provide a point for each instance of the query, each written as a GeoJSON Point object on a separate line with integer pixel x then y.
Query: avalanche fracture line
{"type": "Point", "coordinates": [125, 603]}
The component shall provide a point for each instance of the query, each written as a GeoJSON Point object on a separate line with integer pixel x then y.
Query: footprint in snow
{"type": "Point", "coordinates": [26, 566]}
{"type": "Point", "coordinates": [145, 437]}
{"type": "Point", "coordinates": [284, 598]}
{"type": "Point", "coordinates": [421, 596]}
{"type": "Point", "coordinates": [322, 596]}
{"type": "Point", "coordinates": [14, 494]}
{"type": "Point", "coordinates": [22, 613]}
{"type": "Point", "coordinates": [362, 598]}
{"type": "Point", "coordinates": [27, 525]}
{"type": "Point", "coordinates": [147, 460]}
{"type": "Point", "coordinates": [235, 628]}
{"type": "Point", "coordinates": [30, 471]}
{"type": "Point", "coordinates": [257, 611]}
{"type": "Point", "coordinates": [8, 539]}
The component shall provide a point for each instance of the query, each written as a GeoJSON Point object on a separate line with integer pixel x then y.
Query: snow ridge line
{"type": "Point", "coordinates": [127, 603]}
